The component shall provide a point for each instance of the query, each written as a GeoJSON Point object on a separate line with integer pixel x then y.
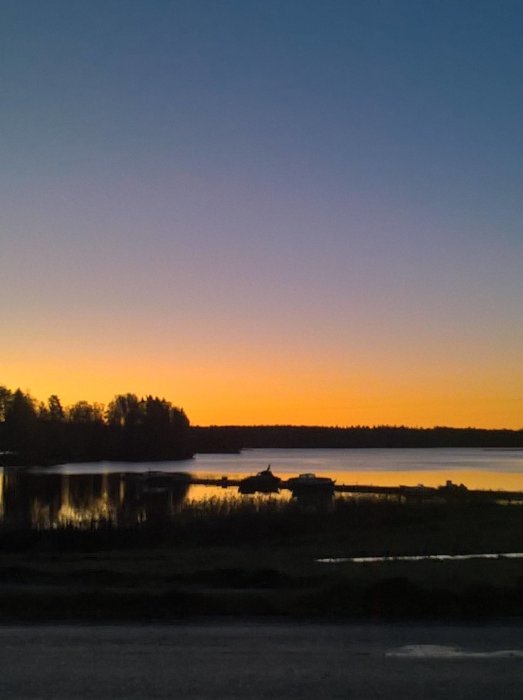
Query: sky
{"type": "Point", "coordinates": [292, 211]}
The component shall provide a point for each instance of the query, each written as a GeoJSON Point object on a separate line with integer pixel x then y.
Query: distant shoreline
{"type": "Point", "coordinates": [232, 439]}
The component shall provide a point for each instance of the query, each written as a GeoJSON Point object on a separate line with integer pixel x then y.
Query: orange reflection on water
{"type": "Point", "coordinates": [471, 478]}
{"type": "Point", "coordinates": [47, 500]}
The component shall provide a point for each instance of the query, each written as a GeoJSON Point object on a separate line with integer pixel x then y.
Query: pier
{"type": "Point", "coordinates": [448, 491]}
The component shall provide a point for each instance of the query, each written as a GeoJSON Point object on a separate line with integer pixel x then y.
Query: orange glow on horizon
{"type": "Point", "coordinates": [294, 217]}
{"type": "Point", "coordinates": [260, 391]}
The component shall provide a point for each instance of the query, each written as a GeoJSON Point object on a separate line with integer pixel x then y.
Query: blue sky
{"type": "Point", "coordinates": [318, 197]}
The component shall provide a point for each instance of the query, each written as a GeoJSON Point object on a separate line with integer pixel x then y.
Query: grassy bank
{"type": "Point", "coordinates": [254, 557]}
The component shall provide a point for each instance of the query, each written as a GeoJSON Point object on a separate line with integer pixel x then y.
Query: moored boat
{"type": "Point", "coordinates": [310, 484]}
{"type": "Point", "coordinates": [263, 482]}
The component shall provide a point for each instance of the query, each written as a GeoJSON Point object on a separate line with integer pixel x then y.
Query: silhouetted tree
{"type": "Point", "coordinates": [56, 412]}
{"type": "Point", "coordinates": [84, 412]}
{"type": "Point", "coordinates": [21, 409]}
{"type": "Point", "coordinates": [147, 428]}
{"type": "Point", "coordinates": [124, 411]}
{"type": "Point", "coordinates": [5, 399]}
{"type": "Point", "coordinates": [21, 422]}
{"type": "Point", "coordinates": [130, 428]}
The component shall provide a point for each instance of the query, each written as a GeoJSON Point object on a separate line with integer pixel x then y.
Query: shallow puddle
{"type": "Point", "coordinates": [436, 651]}
{"type": "Point", "coordinates": [426, 557]}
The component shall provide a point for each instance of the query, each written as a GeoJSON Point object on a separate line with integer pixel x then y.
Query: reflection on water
{"type": "Point", "coordinates": [128, 493]}
{"type": "Point", "coordinates": [474, 467]}
{"type": "Point", "coordinates": [47, 500]}
{"type": "Point", "coordinates": [481, 468]}
{"type": "Point", "coordinates": [421, 557]}
{"type": "Point", "coordinates": [472, 478]}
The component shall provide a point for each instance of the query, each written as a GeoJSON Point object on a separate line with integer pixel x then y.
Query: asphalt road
{"type": "Point", "coordinates": [260, 660]}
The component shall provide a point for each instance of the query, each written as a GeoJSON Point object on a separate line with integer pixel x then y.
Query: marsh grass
{"type": "Point", "coordinates": [343, 527]}
{"type": "Point", "coordinates": [257, 556]}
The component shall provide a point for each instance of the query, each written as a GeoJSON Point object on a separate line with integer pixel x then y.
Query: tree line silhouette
{"type": "Point", "coordinates": [235, 438]}
{"type": "Point", "coordinates": [130, 428]}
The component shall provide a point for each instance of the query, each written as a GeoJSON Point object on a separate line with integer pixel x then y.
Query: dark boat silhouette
{"type": "Point", "coordinates": [263, 482]}
{"type": "Point", "coordinates": [306, 485]}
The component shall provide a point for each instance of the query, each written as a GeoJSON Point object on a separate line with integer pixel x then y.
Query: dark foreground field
{"type": "Point", "coordinates": [259, 558]}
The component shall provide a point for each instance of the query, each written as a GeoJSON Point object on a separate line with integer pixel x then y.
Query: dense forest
{"type": "Point", "coordinates": [234, 438]}
{"type": "Point", "coordinates": [128, 428]}
{"type": "Point", "coordinates": [151, 428]}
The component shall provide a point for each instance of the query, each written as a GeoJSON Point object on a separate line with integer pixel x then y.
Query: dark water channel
{"type": "Point", "coordinates": [49, 500]}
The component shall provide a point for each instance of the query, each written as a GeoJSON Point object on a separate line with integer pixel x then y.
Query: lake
{"type": "Point", "coordinates": [475, 467]}
{"type": "Point", "coordinates": [92, 492]}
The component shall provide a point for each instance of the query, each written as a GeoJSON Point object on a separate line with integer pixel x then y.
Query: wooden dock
{"type": "Point", "coordinates": [447, 492]}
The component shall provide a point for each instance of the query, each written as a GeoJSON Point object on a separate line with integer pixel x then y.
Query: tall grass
{"type": "Point", "coordinates": [344, 526]}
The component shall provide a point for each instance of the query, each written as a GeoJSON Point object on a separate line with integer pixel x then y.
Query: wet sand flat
{"type": "Point", "coordinates": [261, 660]}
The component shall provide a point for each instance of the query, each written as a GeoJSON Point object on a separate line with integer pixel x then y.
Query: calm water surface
{"type": "Point", "coordinates": [81, 494]}
{"type": "Point", "coordinates": [476, 468]}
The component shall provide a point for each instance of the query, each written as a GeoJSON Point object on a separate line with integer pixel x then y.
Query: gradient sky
{"type": "Point", "coordinates": [286, 211]}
